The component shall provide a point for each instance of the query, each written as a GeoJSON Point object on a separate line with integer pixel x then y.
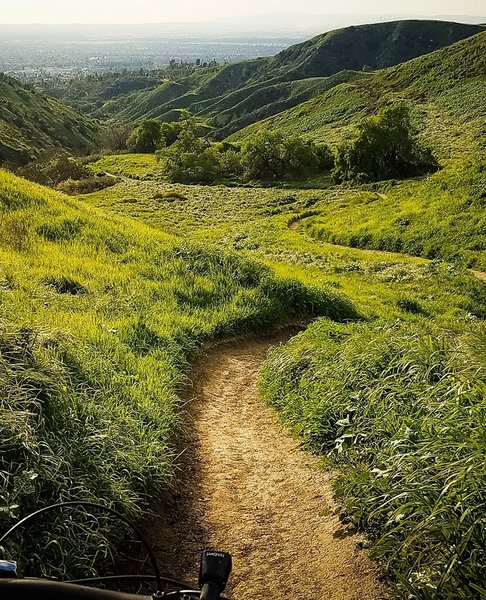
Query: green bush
{"type": "Point", "coordinates": [146, 137]}
{"type": "Point", "coordinates": [269, 155]}
{"type": "Point", "coordinates": [87, 185]}
{"type": "Point", "coordinates": [52, 167]}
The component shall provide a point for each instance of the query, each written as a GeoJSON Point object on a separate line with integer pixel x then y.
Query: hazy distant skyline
{"type": "Point", "coordinates": [164, 11]}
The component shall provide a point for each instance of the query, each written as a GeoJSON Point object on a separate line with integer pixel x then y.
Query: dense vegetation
{"type": "Point", "coordinates": [440, 217]}
{"type": "Point", "coordinates": [385, 147]}
{"type": "Point", "coordinates": [58, 169]}
{"type": "Point", "coordinates": [187, 156]}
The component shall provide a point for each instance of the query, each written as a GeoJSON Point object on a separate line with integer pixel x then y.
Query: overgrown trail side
{"type": "Point", "coordinates": [248, 488]}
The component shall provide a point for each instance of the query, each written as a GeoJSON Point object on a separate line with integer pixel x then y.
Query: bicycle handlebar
{"type": "Point", "coordinates": [213, 575]}
{"type": "Point", "coordinates": [30, 589]}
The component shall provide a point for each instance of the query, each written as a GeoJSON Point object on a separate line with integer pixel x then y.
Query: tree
{"type": "Point", "coordinates": [146, 137]}
{"type": "Point", "coordinates": [116, 136]}
{"type": "Point", "coordinates": [190, 159]}
{"type": "Point", "coordinates": [386, 146]}
{"type": "Point", "coordinates": [261, 156]}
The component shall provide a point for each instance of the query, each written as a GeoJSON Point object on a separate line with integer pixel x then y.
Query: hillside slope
{"type": "Point", "coordinates": [30, 121]}
{"type": "Point", "coordinates": [235, 95]}
{"type": "Point", "coordinates": [448, 85]}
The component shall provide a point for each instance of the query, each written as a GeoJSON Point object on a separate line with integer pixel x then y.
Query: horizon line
{"type": "Point", "coordinates": [229, 20]}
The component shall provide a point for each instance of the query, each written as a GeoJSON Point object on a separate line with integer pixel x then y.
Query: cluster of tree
{"type": "Point", "coordinates": [385, 146]}
{"type": "Point", "coordinates": [267, 156]}
{"type": "Point", "coordinates": [271, 155]}
{"type": "Point", "coordinates": [188, 156]}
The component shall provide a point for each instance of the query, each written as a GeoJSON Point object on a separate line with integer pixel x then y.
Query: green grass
{"type": "Point", "coordinates": [134, 166]}
{"type": "Point", "coordinates": [106, 298]}
{"type": "Point", "coordinates": [99, 316]}
{"type": "Point", "coordinates": [254, 222]}
{"type": "Point", "coordinates": [439, 217]}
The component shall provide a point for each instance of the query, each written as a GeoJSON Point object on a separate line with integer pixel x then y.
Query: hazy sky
{"type": "Point", "coordinates": [158, 11]}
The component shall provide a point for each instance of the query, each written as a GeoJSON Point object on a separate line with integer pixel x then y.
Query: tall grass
{"type": "Point", "coordinates": [402, 414]}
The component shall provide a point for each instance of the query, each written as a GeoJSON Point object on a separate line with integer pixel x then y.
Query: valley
{"type": "Point", "coordinates": [231, 318]}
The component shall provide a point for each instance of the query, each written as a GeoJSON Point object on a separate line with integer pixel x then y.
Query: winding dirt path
{"type": "Point", "coordinates": [245, 486]}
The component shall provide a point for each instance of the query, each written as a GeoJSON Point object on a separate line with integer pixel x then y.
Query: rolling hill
{"type": "Point", "coordinates": [239, 94]}
{"type": "Point", "coordinates": [30, 121]}
{"type": "Point", "coordinates": [448, 86]}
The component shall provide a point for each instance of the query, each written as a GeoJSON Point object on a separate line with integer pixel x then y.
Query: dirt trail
{"type": "Point", "coordinates": [245, 486]}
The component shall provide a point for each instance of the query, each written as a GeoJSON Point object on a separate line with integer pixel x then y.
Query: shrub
{"type": "Point", "coordinates": [74, 187]}
{"type": "Point", "coordinates": [52, 167]}
{"type": "Point", "coordinates": [385, 147]}
{"type": "Point", "coordinates": [146, 137]}
{"type": "Point", "coordinates": [170, 195]}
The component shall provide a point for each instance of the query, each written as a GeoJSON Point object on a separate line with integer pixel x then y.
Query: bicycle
{"type": "Point", "coordinates": [214, 571]}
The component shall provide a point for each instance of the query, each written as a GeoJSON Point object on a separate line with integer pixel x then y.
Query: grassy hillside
{"type": "Point", "coordinates": [98, 318]}
{"type": "Point", "coordinates": [448, 86]}
{"type": "Point", "coordinates": [442, 217]}
{"type": "Point", "coordinates": [375, 46]}
{"type": "Point", "coordinates": [29, 122]}
{"type": "Point", "coordinates": [242, 93]}
{"type": "Point", "coordinates": [394, 400]}
{"type": "Point", "coordinates": [255, 223]}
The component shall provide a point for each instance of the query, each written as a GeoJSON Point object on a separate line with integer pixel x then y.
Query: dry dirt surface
{"type": "Point", "coordinates": [246, 487]}
{"type": "Point", "coordinates": [480, 275]}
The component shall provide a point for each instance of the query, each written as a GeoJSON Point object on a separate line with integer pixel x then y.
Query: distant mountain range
{"type": "Point", "coordinates": [239, 94]}
{"type": "Point", "coordinates": [318, 88]}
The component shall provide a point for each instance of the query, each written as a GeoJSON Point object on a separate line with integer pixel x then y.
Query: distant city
{"type": "Point", "coordinates": [28, 52]}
